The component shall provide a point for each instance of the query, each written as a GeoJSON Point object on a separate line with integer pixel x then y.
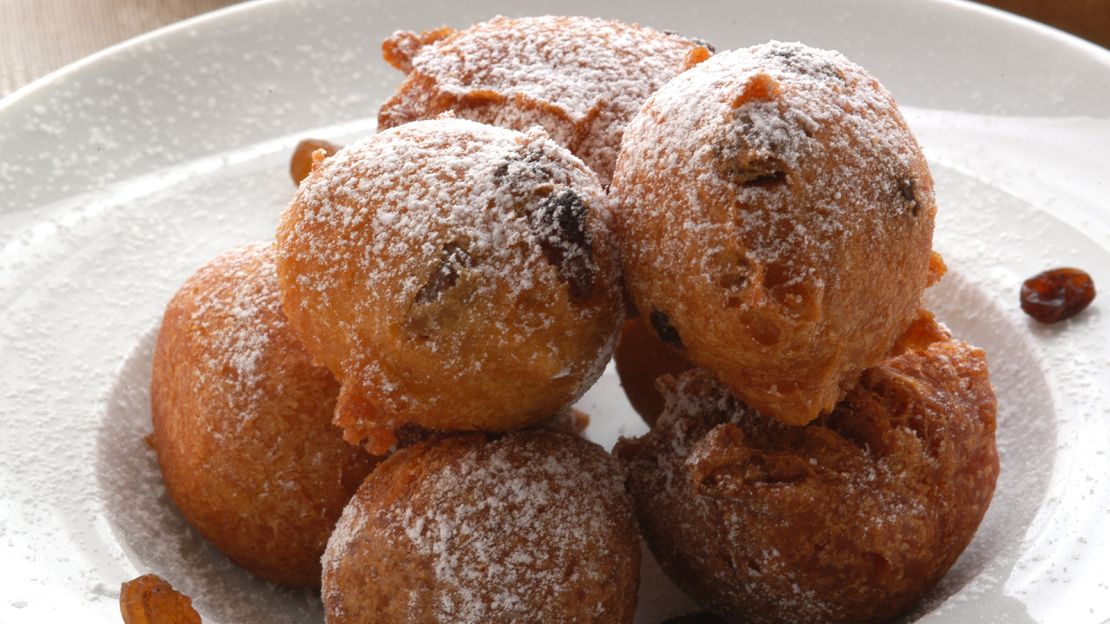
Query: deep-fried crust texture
{"type": "Point", "coordinates": [848, 519]}
{"type": "Point", "coordinates": [641, 358]}
{"type": "Point", "coordinates": [775, 217]}
{"type": "Point", "coordinates": [526, 527]}
{"type": "Point", "coordinates": [580, 78]}
{"type": "Point", "coordinates": [149, 599]}
{"type": "Point", "coordinates": [242, 422]}
{"type": "Point", "coordinates": [452, 275]}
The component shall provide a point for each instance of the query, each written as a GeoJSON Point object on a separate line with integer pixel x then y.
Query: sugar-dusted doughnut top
{"type": "Point", "coordinates": [581, 78]}
{"type": "Point", "coordinates": [453, 275]}
{"type": "Point", "coordinates": [775, 217]}
{"type": "Point", "coordinates": [533, 526]}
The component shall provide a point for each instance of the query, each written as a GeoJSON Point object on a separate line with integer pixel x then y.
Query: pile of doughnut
{"type": "Point", "coordinates": [378, 403]}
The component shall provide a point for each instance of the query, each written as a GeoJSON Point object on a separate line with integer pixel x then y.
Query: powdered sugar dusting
{"type": "Point", "coordinates": [807, 114]}
{"type": "Point", "coordinates": [581, 78]}
{"type": "Point", "coordinates": [239, 318]}
{"type": "Point", "coordinates": [508, 529]}
{"type": "Point", "coordinates": [407, 190]}
{"type": "Point", "coordinates": [849, 519]}
{"type": "Point", "coordinates": [450, 232]}
{"type": "Point", "coordinates": [774, 206]}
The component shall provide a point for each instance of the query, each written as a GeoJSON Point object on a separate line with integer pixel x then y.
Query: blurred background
{"type": "Point", "coordinates": [39, 36]}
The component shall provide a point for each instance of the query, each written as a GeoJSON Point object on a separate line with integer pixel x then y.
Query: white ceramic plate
{"type": "Point", "coordinates": [123, 173]}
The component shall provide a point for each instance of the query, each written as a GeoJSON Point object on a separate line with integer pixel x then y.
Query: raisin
{"type": "Point", "coordinates": [557, 218]}
{"type": "Point", "coordinates": [663, 328]}
{"type": "Point", "coordinates": [532, 168]}
{"type": "Point", "coordinates": [748, 156]}
{"type": "Point", "coordinates": [446, 274]}
{"type": "Point", "coordinates": [1057, 294]}
{"type": "Point", "coordinates": [149, 599]}
{"type": "Point", "coordinates": [301, 164]}
{"type": "Point", "coordinates": [908, 190]}
{"type": "Point", "coordinates": [754, 171]}
{"type": "Point", "coordinates": [439, 303]}
{"type": "Point", "coordinates": [559, 221]}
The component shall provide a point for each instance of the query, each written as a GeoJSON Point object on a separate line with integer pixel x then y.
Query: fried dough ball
{"type": "Point", "coordinates": [775, 217]}
{"type": "Point", "coordinates": [530, 526]}
{"type": "Point", "coordinates": [242, 422]}
{"type": "Point", "coordinates": [849, 519]}
{"type": "Point", "coordinates": [580, 78]}
{"type": "Point", "coordinates": [641, 358]}
{"type": "Point", "coordinates": [452, 275]}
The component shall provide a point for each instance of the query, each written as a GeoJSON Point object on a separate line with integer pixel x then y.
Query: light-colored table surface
{"type": "Point", "coordinates": [39, 36]}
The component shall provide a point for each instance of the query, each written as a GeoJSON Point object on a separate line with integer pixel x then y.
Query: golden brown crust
{"type": "Point", "coordinates": [849, 519]}
{"type": "Point", "coordinates": [641, 358]}
{"type": "Point", "coordinates": [452, 275]}
{"type": "Point", "coordinates": [775, 211]}
{"type": "Point", "coordinates": [580, 78]}
{"type": "Point", "coordinates": [532, 526]}
{"type": "Point", "coordinates": [149, 599]}
{"type": "Point", "coordinates": [242, 422]}
{"type": "Point", "coordinates": [399, 49]}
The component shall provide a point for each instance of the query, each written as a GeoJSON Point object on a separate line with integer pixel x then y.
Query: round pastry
{"type": "Point", "coordinates": [775, 217]}
{"type": "Point", "coordinates": [849, 519]}
{"type": "Point", "coordinates": [581, 78]}
{"type": "Point", "coordinates": [531, 526]}
{"type": "Point", "coordinates": [453, 276]}
{"type": "Point", "coordinates": [641, 358]}
{"type": "Point", "coordinates": [242, 422]}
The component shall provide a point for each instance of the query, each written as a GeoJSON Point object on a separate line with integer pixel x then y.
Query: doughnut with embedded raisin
{"type": "Point", "coordinates": [526, 527]}
{"type": "Point", "coordinates": [580, 78]}
{"type": "Point", "coordinates": [242, 422]}
{"type": "Point", "coordinates": [453, 276]}
{"type": "Point", "coordinates": [848, 519]}
{"type": "Point", "coordinates": [775, 217]}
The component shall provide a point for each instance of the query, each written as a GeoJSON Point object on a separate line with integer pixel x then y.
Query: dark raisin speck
{"type": "Point", "coordinates": [559, 221]}
{"type": "Point", "coordinates": [754, 172]}
{"type": "Point", "coordinates": [445, 275]}
{"type": "Point", "coordinates": [532, 165]}
{"type": "Point", "coordinates": [663, 328]}
{"type": "Point", "coordinates": [750, 154]}
{"type": "Point", "coordinates": [1057, 294]}
{"type": "Point", "coordinates": [908, 190]}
